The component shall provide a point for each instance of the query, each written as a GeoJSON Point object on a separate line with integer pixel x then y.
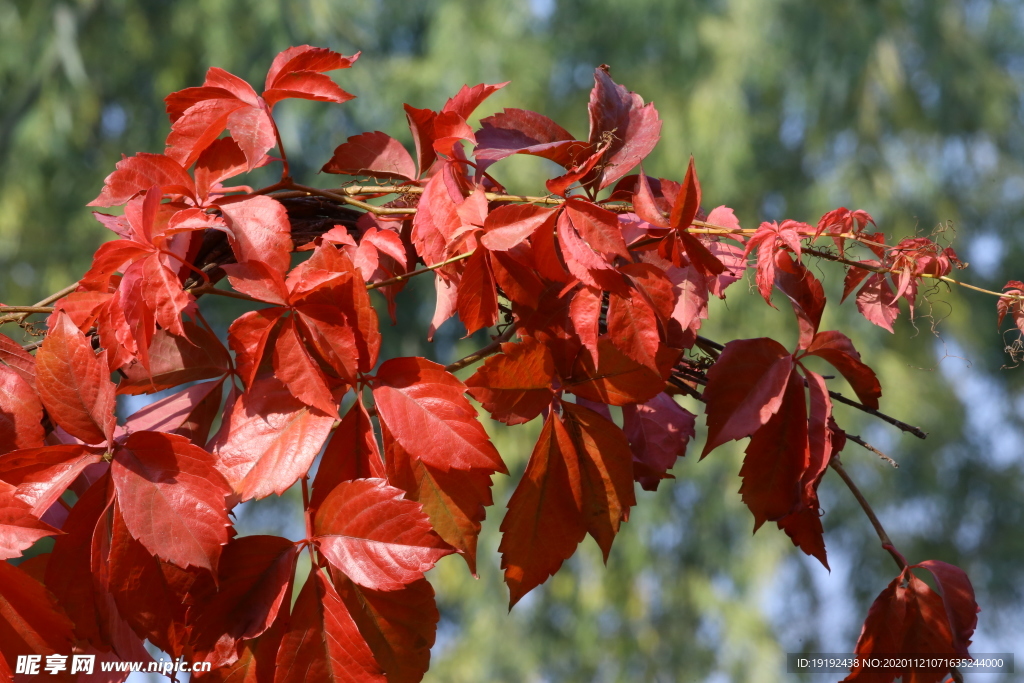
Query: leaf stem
{"type": "Point", "coordinates": [866, 506]}
{"type": "Point", "coordinates": [426, 269]}
{"type": "Point", "coordinates": [483, 352]}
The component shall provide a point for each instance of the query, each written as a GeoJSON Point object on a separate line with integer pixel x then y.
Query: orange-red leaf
{"type": "Point", "coordinates": [515, 386]}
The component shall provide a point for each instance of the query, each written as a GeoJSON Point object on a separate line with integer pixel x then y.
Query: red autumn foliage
{"type": "Point", "coordinates": [597, 302]}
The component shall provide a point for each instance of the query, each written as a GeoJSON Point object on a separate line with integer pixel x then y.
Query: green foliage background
{"type": "Point", "coordinates": [911, 110]}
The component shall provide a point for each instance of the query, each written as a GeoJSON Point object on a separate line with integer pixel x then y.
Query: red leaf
{"type": "Point", "coordinates": [469, 98]}
{"type": "Point", "coordinates": [223, 159]}
{"type": "Point", "coordinates": [658, 431]}
{"type": "Point", "coordinates": [598, 227]}
{"type": "Point", "coordinates": [248, 336]}
{"type": "Point", "coordinates": [304, 58]}
{"type": "Point", "coordinates": [149, 594]}
{"type": "Point", "coordinates": [74, 384]}
{"type": "Point", "coordinates": [177, 410]}
{"type": "Point", "coordinates": [30, 619]}
{"type": "Point", "coordinates": [375, 155]}
{"type": "Point", "coordinates": [296, 368]}
{"type": "Point", "coordinates": [519, 131]}
{"type": "Point", "coordinates": [478, 304]}
{"type": "Point", "coordinates": [804, 529]}
{"type": "Point", "coordinates": [199, 116]}
{"type": "Point", "coordinates": [175, 360]}
{"type": "Point", "coordinates": [509, 225]}
{"type": "Point", "coordinates": [259, 230]}
{"type": "Point", "coordinates": [454, 501]}
{"type": "Point", "coordinates": [164, 295]}
{"type": "Point", "coordinates": [435, 221]}
{"type": "Point", "coordinates": [1005, 305]}
{"type": "Point", "coordinates": [425, 410]}
{"type": "Point", "coordinates": [635, 127]}
{"type": "Point", "coordinates": [876, 302]}
{"type": "Point", "coordinates": [606, 472]}
{"type": "Point", "coordinates": [585, 312]}
{"type": "Point", "coordinates": [141, 172]}
{"type": "Point", "coordinates": [268, 440]}
{"type": "Point", "coordinates": [21, 413]}
{"type": "Point", "coordinates": [449, 130]}
{"type": "Point", "coordinates": [633, 328]}
{"type": "Point", "coordinates": [259, 281]}
{"type": "Point", "coordinates": [421, 124]}
{"type": "Point", "coordinates": [399, 626]}
{"type": "Point", "coordinates": [687, 202]}
{"type": "Point", "coordinates": [172, 498]}
{"type": "Point", "coordinates": [617, 380]}
{"type": "Point", "coordinates": [515, 386]}
{"type": "Point", "coordinates": [19, 527]}
{"type": "Point", "coordinates": [776, 458]}
{"type": "Point", "coordinates": [544, 523]}
{"type": "Point", "coordinates": [837, 349]}
{"type": "Point", "coordinates": [907, 618]}
{"type": "Point", "coordinates": [351, 454]}
{"type": "Point", "coordinates": [322, 642]}
{"type": "Point", "coordinates": [805, 293]}
{"type": "Point", "coordinates": [18, 359]}
{"type": "Point", "coordinates": [745, 388]}
{"type": "Point", "coordinates": [958, 601]}
{"type": "Point", "coordinates": [583, 262]}
{"type": "Point", "coordinates": [380, 540]}
{"type": "Point", "coordinates": [41, 475]}
{"type": "Point", "coordinates": [255, 577]}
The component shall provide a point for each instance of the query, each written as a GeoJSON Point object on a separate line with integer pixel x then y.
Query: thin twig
{"type": "Point", "coordinates": [26, 309]}
{"type": "Point", "coordinates": [483, 352]}
{"type": "Point", "coordinates": [210, 289]}
{"type": "Point", "coordinates": [899, 424]}
{"type": "Point", "coordinates": [866, 506]}
{"type": "Point", "coordinates": [427, 269]}
{"type": "Point", "coordinates": [864, 444]}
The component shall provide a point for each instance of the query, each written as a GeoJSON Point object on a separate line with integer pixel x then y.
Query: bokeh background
{"type": "Point", "coordinates": [910, 109]}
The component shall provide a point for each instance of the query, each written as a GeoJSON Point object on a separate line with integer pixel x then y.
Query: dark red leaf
{"type": "Point", "coordinates": [658, 431]}
{"type": "Point", "coordinates": [255, 577]}
{"type": "Point", "coordinates": [616, 379]}
{"type": "Point", "coordinates": [189, 412]}
{"type": "Point", "coordinates": [74, 384]}
{"type": "Point", "coordinates": [175, 360]}
{"type": "Point", "coordinates": [906, 619]}
{"type": "Point", "coordinates": [478, 303]}
{"type": "Point", "coordinates": [687, 202]}
{"type": "Point", "coordinates": [544, 522]}
{"type": "Point", "coordinates": [19, 528]}
{"type": "Point", "coordinates": [633, 328]}
{"type": "Point", "coordinates": [745, 388]}
{"type": "Point", "coordinates": [375, 155]}
{"type": "Point", "coordinates": [805, 293]}
{"type": "Point", "coordinates": [606, 472]}
{"type": "Point", "coordinates": [509, 225]}
{"type": "Point", "coordinates": [804, 529]}
{"type": "Point", "coordinates": [515, 386]}
{"type": "Point", "coordinates": [31, 621]}
{"type": "Point", "coordinates": [837, 349]}
{"type": "Point", "coordinates": [399, 626]}
{"type": "Point", "coordinates": [634, 127]}
{"type": "Point", "coordinates": [958, 599]}
{"type": "Point", "coordinates": [519, 131]}
{"type": "Point", "coordinates": [351, 454]}
{"type": "Point", "coordinates": [322, 642]}
{"type": "Point", "coordinates": [380, 540]}
{"type": "Point", "coordinates": [776, 458]}
{"type": "Point", "coordinates": [598, 227]}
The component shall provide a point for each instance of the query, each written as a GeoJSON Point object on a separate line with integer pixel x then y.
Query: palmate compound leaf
{"type": "Point", "coordinates": [268, 439]}
{"type": "Point", "coordinates": [172, 497]}
{"type": "Point", "coordinates": [579, 480]}
{"type": "Point", "coordinates": [906, 619]}
{"type": "Point", "coordinates": [426, 412]}
{"type": "Point", "coordinates": [31, 622]}
{"type": "Point", "coordinates": [368, 530]}
{"type": "Point", "coordinates": [74, 383]}
{"type": "Point", "coordinates": [322, 643]}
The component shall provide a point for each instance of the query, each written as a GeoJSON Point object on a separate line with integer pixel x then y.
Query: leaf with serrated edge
{"type": "Point", "coordinates": [382, 541]}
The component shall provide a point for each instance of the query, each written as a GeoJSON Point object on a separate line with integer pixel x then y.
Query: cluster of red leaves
{"type": "Point", "coordinates": [603, 305]}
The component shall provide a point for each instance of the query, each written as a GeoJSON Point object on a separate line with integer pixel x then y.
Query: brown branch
{"type": "Point", "coordinates": [864, 444]}
{"type": "Point", "coordinates": [25, 309]}
{"type": "Point", "coordinates": [426, 269]}
{"type": "Point", "coordinates": [483, 352]}
{"type": "Point", "coordinates": [210, 289]}
{"type": "Point", "coordinates": [899, 424]}
{"type": "Point", "coordinates": [866, 506]}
